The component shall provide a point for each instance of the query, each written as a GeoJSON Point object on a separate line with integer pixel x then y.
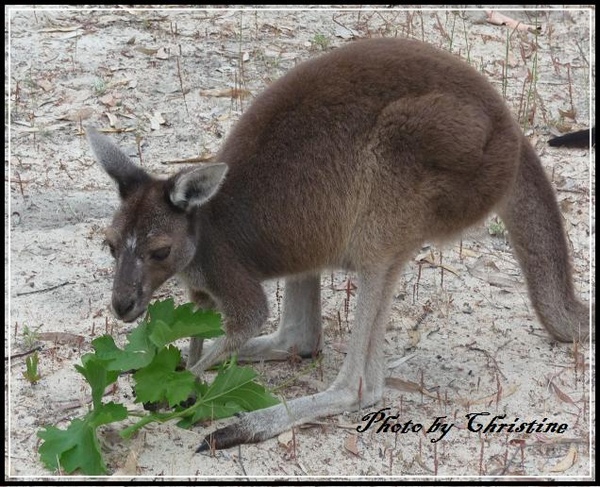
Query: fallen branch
{"type": "Point", "coordinates": [23, 354]}
{"type": "Point", "coordinates": [45, 289]}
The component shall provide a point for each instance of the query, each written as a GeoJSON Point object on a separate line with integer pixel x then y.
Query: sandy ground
{"type": "Point", "coordinates": [462, 338]}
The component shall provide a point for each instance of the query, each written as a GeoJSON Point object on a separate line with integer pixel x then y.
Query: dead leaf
{"type": "Point", "coordinates": [131, 41]}
{"type": "Point", "coordinates": [339, 346]}
{"type": "Point", "coordinates": [227, 92]}
{"type": "Point", "coordinates": [481, 270]}
{"type": "Point", "coordinates": [345, 32]}
{"type": "Point", "coordinates": [466, 252]}
{"type": "Point", "coordinates": [47, 128]}
{"type": "Point", "coordinates": [156, 120]}
{"type": "Point", "coordinates": [414, 337]}
{"type": "Point", "coordinates": [162, 54]}
{"type": "Point", "coordinates": [113, 121]}
{"type": "Point", "coordinates": [70, 35]}
{"type": "Point", "coordinates": [561, 128]}
{"type": "Point", "coordinates": [316, 384]}
{"type": "Point", "coordinates": [448, 268]}
{"type": "Point", "coordinates": [469, 401]}
{"type": "Point", "coordinates": [118, 83]}
{"type": "Point", "coordinates": [561, 395]}
{"type": "Point", "coordinates": [285, 439]}
{"type": "Point", "coordinates": [421, 463]}
{"type": "Point", "coordinates": [130, 466]}
{"type": "Point", "coordinates": [429, 258]}
{"type": "Point", "coordinates": [496, 18]}
{"type": "Point", "coordinates": [347, 426]}
{"type": "Point", "coordinates": [567, 462]}
{"type": "Point", "coordinates": [276, 28]}
{"type": "Point", "coordinates": [45, 85]}
{"type": "Point", "coordinates": [23, 123]}
{"type": "Point", "coordinates": [115, 130]}
{"type": "Point", "coordinates": [566, 206]}
{"type": "Point", "coordinates": [351, 444]}
{"type": "Point", "coordinates": [406, 386]}
{"type": "Point", "coordinates": [572, 114]}
{"type": "Point", "coordinates": [426, 256]}
{"type": "Point", "coordinates": [288, 56]}
{"type": "Point", "coordinates": [108, 100]}
{"type": "Point", "coordinates": [146, 50]}
{"type": "Point", "coordinates": [62, 338]}
{"type": "Point", "coordinates": [61, 29]}
{"type": "Point", "coordinates": [393, 363]}
{"type": "Point", "coordinates": [78, 115]}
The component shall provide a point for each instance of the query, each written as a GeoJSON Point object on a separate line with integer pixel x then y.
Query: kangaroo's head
{"type": "Point", "coordinates": [152, 236]}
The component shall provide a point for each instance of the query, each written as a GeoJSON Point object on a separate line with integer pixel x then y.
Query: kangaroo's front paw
{"type": "Point", "coordinates": [195, 351]}
{"type": "Point", "coordinates": [277, 347]}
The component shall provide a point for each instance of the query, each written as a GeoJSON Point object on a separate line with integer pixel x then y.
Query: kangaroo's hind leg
{"type": "Point", "coordinates": [360, 382]}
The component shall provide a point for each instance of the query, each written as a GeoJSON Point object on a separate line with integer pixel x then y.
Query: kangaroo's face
{"type": "Point", "coordinates": [152, 236]}
{"type": "Point", "coordinates": [150, 241]}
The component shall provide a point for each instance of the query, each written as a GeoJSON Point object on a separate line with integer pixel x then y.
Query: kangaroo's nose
{"type": "Point", "coordinates": [122, 306]}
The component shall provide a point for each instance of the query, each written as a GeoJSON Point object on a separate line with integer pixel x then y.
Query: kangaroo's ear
{"type": "Point", "coordinates": [116, 163]}
{"type": "Point", "coordinates": [191, 189]}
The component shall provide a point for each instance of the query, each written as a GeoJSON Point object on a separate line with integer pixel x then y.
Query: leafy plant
{"type": "Point", "coordinates": [497, 228]}
{"type": "Point", "coordinates": [321, 41]}
{"type": "Point", "coordinates": [30, 337]}
{"type": "Point", "coordinates": [31, 373]}
{"type": "Point", "coordinates": [100, 86]}
{"type": "Point", "coordinates": [155, 362]}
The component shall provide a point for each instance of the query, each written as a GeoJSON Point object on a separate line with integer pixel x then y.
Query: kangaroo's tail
{"type": "Point", "coordinates": [534, 222]}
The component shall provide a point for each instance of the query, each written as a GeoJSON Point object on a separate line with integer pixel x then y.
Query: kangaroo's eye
{"type": "Point", "coordinates": [160, 254]}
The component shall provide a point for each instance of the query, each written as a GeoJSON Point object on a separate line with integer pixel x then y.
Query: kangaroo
{"type": "Point", "coordinates": [351, 160]}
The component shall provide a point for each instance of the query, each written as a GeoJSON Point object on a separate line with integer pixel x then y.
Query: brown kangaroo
{"type": "Point", "coordinates": [350, 161]}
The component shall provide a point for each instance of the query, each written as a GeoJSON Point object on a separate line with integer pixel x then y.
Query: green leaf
{"type": "Point", "coordinates": [228, 379]}
{"type": "Point", "coordinates": [251, 396]}
{"type": "Point", "coordinates": [162, 311]}
{"type": "Point", "coordinates": [31, 371]}
{"type": "Point", "coordinates": [72, 449]}
{"type": "Point", "coordinates": [160, 381]}
{"type": "Point", "coordinates": [77, 447]}
{"type": "Point", "coordinates": [138, 352]}
{"type": "Point", "coordinates": [183, 322]}
{"type": "Point", "coordinates": [108, 413]}
{"type": "Point", "coordinates": [95, 372]}
{"type": "Point", "coordinates": [211, 411]}
{"type": "Point", "coordinates": [232, 391]}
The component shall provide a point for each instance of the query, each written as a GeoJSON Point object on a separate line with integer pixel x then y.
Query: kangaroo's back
{"type": "Point", "coordinates": [339, 97]}
{"type": "Point", "coordinates": [390, 134]}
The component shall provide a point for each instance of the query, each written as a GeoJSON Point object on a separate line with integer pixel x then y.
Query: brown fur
{"type": "Point", "coordinates": [350, 161]}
